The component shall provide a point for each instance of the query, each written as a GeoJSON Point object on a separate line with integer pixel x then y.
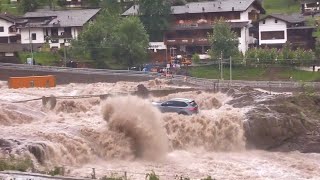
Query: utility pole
{"type": "Point", "coordinates": [65, 54]}
{"type": "Point", "coordinates": [230, 70]}
{"type": "Point", "coordinates": [221, 70]}
{"type": "Point", "coordinates": [30, 43]}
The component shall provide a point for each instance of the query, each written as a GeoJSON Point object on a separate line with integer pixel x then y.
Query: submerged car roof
{"type": "Point", "coordinates": [182, 99]}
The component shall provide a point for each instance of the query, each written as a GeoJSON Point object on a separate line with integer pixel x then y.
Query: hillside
{"type": "Point", "coordinates": [281, 6]}
{"type": "Point", "coordinates": [6, 6]}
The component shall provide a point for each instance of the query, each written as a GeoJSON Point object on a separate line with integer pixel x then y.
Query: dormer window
{"type": "Point", "coordinates": [276, 20]}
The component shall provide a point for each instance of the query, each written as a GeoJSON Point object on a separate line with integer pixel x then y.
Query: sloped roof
{"type": "Point", "coordinates": [8, 17]}
{"type": "Point", "coordinates": [289, 18]}
{"type": "Point", "coordinates": [68, 18]}
{"type": "Point", "coordinates": [205, 7]}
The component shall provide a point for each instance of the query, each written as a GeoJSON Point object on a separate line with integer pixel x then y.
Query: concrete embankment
{"type": "Point", "coordinates": [66, 77]}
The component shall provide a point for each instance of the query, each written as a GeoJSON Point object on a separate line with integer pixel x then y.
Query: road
{"type": "Point", "coordinates": [86, 75]}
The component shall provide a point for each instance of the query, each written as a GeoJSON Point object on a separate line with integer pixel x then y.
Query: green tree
{"type": "Point", "coordinates": [155, 15]}
{"type": "Point", "coordinates": [223, 39]}
{"type": "Point", "coordinates": [132, 41]}
{"type": "Point", "coordinates": [28, 5]}
{"type": "Point", "coordinates": [113, 40]}
{"type": "Point", "coordinates": [113, 6]}
{"type": "Point", "coordinates": [91, 3]}
{"type": "Point", "coordinates": [196, 58]}
{"type": "Point", "coordinates": [94, 40]}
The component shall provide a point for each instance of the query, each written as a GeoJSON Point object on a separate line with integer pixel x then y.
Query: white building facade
{"type": "Point", "coordinates": [7, 29]}
{"type": "Point", "coordinates": [56, 28]}
{"type": "Point", "coordinates": [278, 29]}
{"type": "Point", "coordinates": [272, 31]}
{"type": "Point", "coordinates": [246, 38]}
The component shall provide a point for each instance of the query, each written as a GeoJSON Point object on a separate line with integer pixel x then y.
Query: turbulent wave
{"type": "Point", "coordinates": [129, 127]}
{"type": "Point", "coordinates": [205, 100]}
{"type": "Point", "coordinates": [10, 115]}
{"type": "Point", "coordinates": [75, 106]}
{"type": "Point", "coordinates": [138, 121]}
{"type": "Point", "coordinates": [213, 134]}
{"type": "Point", "coordinates": [129, 134]}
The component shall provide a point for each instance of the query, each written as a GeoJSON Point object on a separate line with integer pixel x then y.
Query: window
{"type": "Point", "coordinates": [276, 21]}
{"type": "Point", "coordinates": [168, 103]}
{"type": "Point", "coordinates": [272, 35]}
{"type": "Point", "coordinates": [54, 32]}
{"type": "Point", "coordinates": [1, 29]}
{"type": "Point", "coordinates": [179, 104]}
{"type": "Point", "coordinates": [264, 22]}
{"type": "Point", "coordinates": [34, 36]}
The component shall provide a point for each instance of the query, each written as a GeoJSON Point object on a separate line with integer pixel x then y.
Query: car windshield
{"type": "Point", "coordinates": [194, 104]}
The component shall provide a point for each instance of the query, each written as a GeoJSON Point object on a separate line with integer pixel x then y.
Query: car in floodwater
{"type": "Point", "coordinates": [178, 105]}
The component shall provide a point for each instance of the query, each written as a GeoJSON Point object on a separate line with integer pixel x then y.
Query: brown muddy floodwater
{"type": "Point", "coordinates": [127, 134]}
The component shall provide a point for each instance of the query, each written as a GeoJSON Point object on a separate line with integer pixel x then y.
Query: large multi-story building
{"type": "Point", "coordinates": [188, 32]}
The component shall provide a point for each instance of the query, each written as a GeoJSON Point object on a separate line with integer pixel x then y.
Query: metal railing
{"type": "Point", "coordinates": [16, 174]}
{"type": "Point", "coordinates": [74, 70]}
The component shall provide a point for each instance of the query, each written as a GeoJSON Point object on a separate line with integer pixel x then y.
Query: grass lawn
{"type": "Point", "coordinates": [44, 58]}
{"type": "Point", "coordinates": [253, 73]}
{"type": "Point", "coordinates": [8, 7]}
{"type": "Point", "coordinates": [281, 6]}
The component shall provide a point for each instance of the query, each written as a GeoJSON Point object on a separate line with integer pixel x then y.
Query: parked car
{"type": "Point", "coordinates": [178, 105]}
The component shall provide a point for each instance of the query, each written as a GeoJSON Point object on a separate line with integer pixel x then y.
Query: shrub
{"type": "Point", "coordinates": [21, 164]}
{"type": "Point", "coordinates": [56, 171]}
{"type": "Point", "coordinates": [111, 178]}
{"type": "Point", "coordinates": [208, 178]}
{"type": "Point", "coordinates": [152, 176]}
{"type": "Point", "coordinates": [196, 58]}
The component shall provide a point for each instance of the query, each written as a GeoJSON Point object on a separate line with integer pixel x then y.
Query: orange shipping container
{"type": "Point", "coordinates": [32, 81]}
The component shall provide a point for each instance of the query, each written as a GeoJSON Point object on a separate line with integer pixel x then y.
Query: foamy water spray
{"type": "Point", "coordinates": [140, 122]}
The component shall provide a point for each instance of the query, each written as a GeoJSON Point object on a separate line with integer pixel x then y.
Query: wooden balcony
{"type": "Point", "coordinates": [62, 36]}
{"type": "Point", "coordinates": [188, 41]}
{"type": "Point", "coordinates": [203, 24]}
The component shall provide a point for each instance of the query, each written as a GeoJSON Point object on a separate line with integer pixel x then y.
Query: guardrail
{"type": "Point", "coordinates": [34, 176]}
{"type": "Point", "coordinates": [214, 83]}
{"type": "Point", "coordinates": [73, 70]}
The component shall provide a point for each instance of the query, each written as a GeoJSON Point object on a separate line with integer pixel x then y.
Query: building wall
{"type": "Point", "coordinates": [5, 24]}
{"type": "Point", "coordinates": [244, 16]}
{"type": "Point", "coordinates": [74, 32]}
{"type": "Point", "coordinates": [270, 26]}
{"type": "Point", "coordinates": [40, 33]}
{"type": "Point", "coordinates": [244, 40]}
